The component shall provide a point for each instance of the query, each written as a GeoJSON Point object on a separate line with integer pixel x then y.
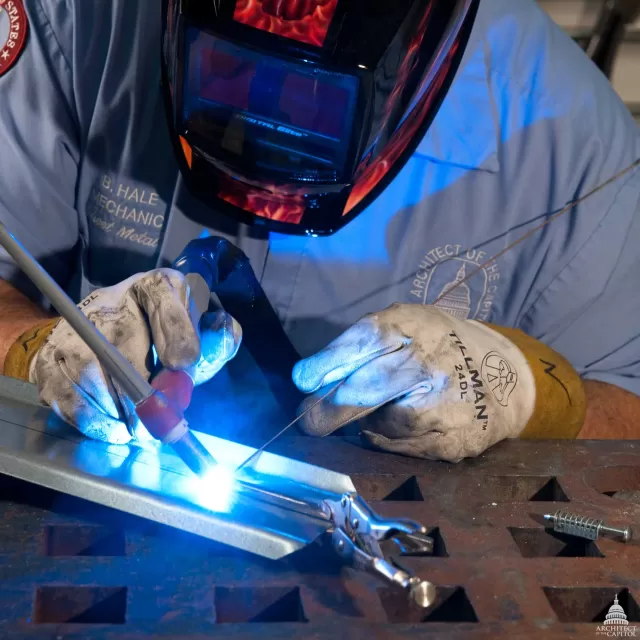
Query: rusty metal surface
{"type": "Point", "coordinates": [69, 569]}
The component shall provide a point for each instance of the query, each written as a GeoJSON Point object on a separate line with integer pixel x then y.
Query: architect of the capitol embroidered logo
{"type": "Point", "coordinates": [616, 624]}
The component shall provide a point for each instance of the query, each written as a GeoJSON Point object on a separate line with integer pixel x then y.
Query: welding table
{"type": "Point", "coordinates": [72, 569]}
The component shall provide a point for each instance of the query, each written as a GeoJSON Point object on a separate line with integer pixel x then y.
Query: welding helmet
{"type": "Point", "coordinates": [296, 114]}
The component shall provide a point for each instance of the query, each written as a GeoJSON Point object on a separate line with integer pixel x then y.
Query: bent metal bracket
{"type": "Point", "coordinates": [272, 509]}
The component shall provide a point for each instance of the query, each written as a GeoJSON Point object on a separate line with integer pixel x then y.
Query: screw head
{"type": "Point", "coordinates": [340, 545]}
{"type": "Point", "coordinates": [355, 522]}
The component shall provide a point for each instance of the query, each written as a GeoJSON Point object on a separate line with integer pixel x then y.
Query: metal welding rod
{"type": "Point", "coordinates": [159, 405]}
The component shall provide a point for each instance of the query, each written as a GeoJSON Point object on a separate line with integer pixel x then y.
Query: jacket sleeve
{"type": "Point", "coordinates": [39, 153]}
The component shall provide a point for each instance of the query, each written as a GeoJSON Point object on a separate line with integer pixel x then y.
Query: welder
{"type": "Point", "coordinates": [368, 158]}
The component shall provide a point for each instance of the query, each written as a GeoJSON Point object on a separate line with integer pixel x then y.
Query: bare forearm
{"type": "Point", "coordinates": [612, 413]}
{"type": "Point", "coordinates": [17, 314]}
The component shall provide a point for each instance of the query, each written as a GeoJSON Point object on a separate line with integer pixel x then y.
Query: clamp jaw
{"type": "Point", "coordinates": [370, 543]}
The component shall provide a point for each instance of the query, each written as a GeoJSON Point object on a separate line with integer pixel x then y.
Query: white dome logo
{"type": "Point", "coordinates": [616, 624]}
{"type": "Point", "coordinates": [616, 614]}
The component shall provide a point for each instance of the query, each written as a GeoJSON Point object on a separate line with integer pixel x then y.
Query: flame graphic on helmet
{"type": "Point", "coordinates": [306, 21]}
{"type": "Point", "coordinates": [369, 175]}
{"type": "Point", "coordinates": [266, 204]}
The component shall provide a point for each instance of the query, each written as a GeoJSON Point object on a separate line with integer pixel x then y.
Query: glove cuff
{"type": "Point", "coordinates": [18, 360]}
{"type": "Point", "coordinates": [560, 405]}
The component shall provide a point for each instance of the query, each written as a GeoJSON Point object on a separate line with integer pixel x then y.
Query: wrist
{"type": "Point", "coordinates": [560, 401]}
{"type": "Point", "coordinates": [23, 350]}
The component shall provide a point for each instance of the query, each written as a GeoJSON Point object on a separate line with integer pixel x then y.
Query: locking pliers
{"type": "Point", "coordinates": [368, 542]}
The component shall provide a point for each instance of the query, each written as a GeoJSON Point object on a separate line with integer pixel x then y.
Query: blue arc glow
{"type": "Point", "coordinates": [216, 490]}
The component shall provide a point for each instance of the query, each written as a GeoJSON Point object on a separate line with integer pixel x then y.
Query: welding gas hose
{"type": "Point", "coordinates": [228, 273]}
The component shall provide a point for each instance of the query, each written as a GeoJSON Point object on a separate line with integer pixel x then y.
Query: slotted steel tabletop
{"type": "Point", "coordinates": [71, 569]}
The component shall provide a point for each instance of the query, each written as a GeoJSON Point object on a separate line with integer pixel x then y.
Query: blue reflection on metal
{"type": "Point", "coordinates": [148, 466]}
{"type": "Point", "coordinates": [147, 476]}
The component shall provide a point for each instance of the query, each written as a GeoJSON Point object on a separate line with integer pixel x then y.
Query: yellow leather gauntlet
{"type": "Point", "coordinates": [23, 350]}
{"type": "Point", "coordinates": [560, 403]}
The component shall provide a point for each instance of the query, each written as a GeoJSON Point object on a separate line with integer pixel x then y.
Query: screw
{"type": "Point", "coordinates": [341, 545]}
{"type": "Point", "coordinates": [583, 527]}
{"type": "Point", "coordinates": [355, 522]}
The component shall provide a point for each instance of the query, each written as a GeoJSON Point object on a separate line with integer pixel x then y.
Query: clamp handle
{"type": "Point", "coordinates": [357, 537]}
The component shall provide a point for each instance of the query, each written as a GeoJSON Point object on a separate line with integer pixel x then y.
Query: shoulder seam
{"type": "Point", "coordinates": [55, 35]}
{"type": "Point", "coordinates": [582, 124]}
{"type": "Point", "coordinates": [578, 253]}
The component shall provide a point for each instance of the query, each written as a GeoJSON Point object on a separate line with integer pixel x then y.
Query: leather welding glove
{"type": "Point", "coordinates": [152, 320]}
{"type": "Point", "coordinates": [425, 384]}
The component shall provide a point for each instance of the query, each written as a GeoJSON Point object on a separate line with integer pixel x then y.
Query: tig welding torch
{"type": "Point", "coordinates": [159, 404]}
{"type": "Point", "coordinates": [217, 265]}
